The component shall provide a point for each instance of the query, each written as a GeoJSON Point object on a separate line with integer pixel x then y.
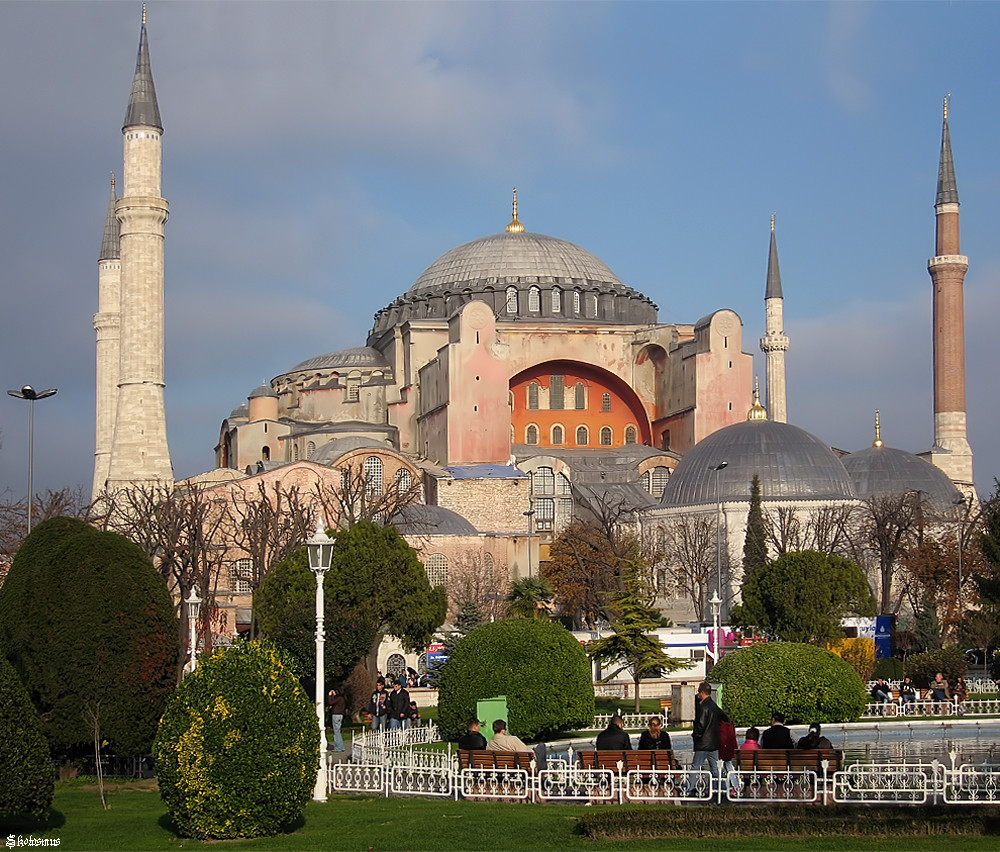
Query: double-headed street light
{"type": "Point", "coordinates": [30, 394]}
{"type": "Point", "coordinates": [320, 548]}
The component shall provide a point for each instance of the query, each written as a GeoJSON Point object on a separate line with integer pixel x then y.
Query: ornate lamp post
{"type": "Point", "coordinates": [718, 529]}
{"type": "Point", "coordinates": [30, 394]}
{"type": "Point", "coordinates": [529, 515]}
{"type": "Point", "coordinates": [716, 604]}
{"type": "Point", "coordinates": [320, 548]}
{"type": "Point", "coordinates": [193, 603]}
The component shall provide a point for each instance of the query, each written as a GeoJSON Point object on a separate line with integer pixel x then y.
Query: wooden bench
{"type": "Point", "coordinates": [487, 787]}
{"type": "Point", "coordinates": [486, 759]}
{"type": "Point", "coordinates": [645, 759]}
{"type": "Point", "coordinates": [666, 705]}
{"type": "Point", "coordinates": [794, 759]}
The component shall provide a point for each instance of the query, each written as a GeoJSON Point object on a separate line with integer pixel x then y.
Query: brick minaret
{"type": "Point", "coordinates": [139, 451]}
{"type": "Point", "coordinates": [774, 344]}
{"type": "Point", "coordinates": [951, 451]}
{"type": "Point", "coordinates": [107, 325]}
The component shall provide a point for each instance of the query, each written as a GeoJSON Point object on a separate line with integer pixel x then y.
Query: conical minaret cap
{"type": "Point", "coordinates": [947, 188]}
{"type": "Point", "coordinates": [142, 108]}
{"type": "Point", "coordinates": [773, 289]}
{"type": "Point", "coordinates": [111, 244]}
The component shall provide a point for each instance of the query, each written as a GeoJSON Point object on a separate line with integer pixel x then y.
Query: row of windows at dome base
{"type": "Point", "coordinates": [574, 300]}
{"type": "Point", "coordinates": [557, 397]}
{"type": "Point", "coordinates": [557, 435]}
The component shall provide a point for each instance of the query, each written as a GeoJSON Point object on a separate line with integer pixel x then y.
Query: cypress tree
{"type": "Point", "coordinates": [755, 543]}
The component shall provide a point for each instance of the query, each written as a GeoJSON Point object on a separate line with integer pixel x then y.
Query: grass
{"type": "Point", "coordinates": [136, 819]}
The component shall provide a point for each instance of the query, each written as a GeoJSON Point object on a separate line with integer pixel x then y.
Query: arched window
{"type": "Point", "coordinates": [556, 393]}
{"type": "Point", "coordinates": [437, 569]}
{"type": "Point", "coordinates": [345, 479]}
{"type": "Point", "coordinates": [310, 449]}
{"type": "Point", "coordinates": [557, 435]}
{"type": "Point", "coordinates": [556, 300]}
{"type": "Point", "coordinates": [265, 453]}
{"type": "Point", "coordinates": [580, 397]}
{"type": "Point", "coordinates": [659, 481]}
{"type": "Point", "coordinates": [592, 304]}
{"type": "Point", "coordinates": [353, 390]}
{"type": "Point", "coordinates": [606, 436]}
{"type": "Point", "coordinates": [543, 481]}
{"type": "Point", "coordinates": [488, 570]}
{"type": "Point", "coordinates": [404, 481]}
{"type": "Point", "coordinates": [512, 300]}
{"type": "Point", "coordinates": [534, 299]}
{"type": "Point", "coordinates": [606, 402]}
{"type": "Point", "coordinates": [395, 665]}
{"type": "Point", "coordinates": [531, 435]}
{"type": "Point", "coordinates": [576, 301]}
{"type": "Point", "coordinates": [631, 435]}
{"type": "Point", "coordinates": [582, 436]}
{"type": "Point", "coordinates": [295, 452]}
{"type": "Point", "coordinates": [533, 396]}
{"type": "Point", "coordinates": [373, 476]}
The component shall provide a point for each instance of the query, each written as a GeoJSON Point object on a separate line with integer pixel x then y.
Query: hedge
{"type": "Point", "coordinates": [27, 782]}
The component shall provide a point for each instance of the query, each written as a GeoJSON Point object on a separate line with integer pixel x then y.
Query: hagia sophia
{"type": "Point", "coordinates": [518, 383]}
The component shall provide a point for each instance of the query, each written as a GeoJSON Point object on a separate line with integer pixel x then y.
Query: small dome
{"type": "Point", "coordinates": [262, 392]}
{"type": "Point", "coordinates": [419, 519]}
{"type": "Point", "coordinates": [241, 412]}
{"type": "Point", "coordinates": [354, 359]}
{"type": "Point", "coordinates": [512, 255]}
{"type": "Point", "coordinates": [881, 471]}
{"type": "Point", "coordinates": [329, 452]}
{"type": "Point", "coordinates": [791, 463]}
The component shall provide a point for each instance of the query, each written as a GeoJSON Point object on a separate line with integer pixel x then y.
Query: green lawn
{"type": "Point", "coordinates": [137, 820]}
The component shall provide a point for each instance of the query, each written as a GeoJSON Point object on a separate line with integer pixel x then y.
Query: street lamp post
{"type": "Point", "coordinates": [320, 548]}
{"type": "Point", "coordinates": [718, 529]}
{"type": "Point", "coordinates": [30, 394]}
{"type": "Point", "coordinates": [529, 515]}
{"type": "Point", "coordinates": [193, 611]}
{"type": "Point", "coordinates": [716, 604]}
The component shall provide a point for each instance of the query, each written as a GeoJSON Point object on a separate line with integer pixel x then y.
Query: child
{"type": "Point", "coordinates": [752, 739]}
{"type": "Point", "coordinates": [413, 715]}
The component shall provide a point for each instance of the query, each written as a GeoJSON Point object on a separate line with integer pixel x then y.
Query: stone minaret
{"type": "Point", "coordinates": [139, 451]}
{"type": "Point", "coordinates": [951, 451]}
{"type": "Point", "coordinates": [107, 325]}
{"type": "Point", "coordinates": [774, 344]}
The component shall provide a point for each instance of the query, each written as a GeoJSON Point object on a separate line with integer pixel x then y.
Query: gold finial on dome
{"type": "Point", "coordinates": [515, 227]}
{"type": "Point", "coordinates": [112, 183]}
{"type": "Point", "coordinates": [946, 105]}
{"type": "Point", "coordinates": [757, 411]}
{"type": "Point", "coordinates": [772, 223]}
{"type": "Point", "coordinates": [878, 431]}
{"type": "Point", "coordinates": [144, 14]}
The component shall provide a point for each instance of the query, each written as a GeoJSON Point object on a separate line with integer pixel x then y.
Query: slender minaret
{"type": "Point", "coordinates": [951, 451]}
{"type": "Point", "coordinates": [107, 325]}
{"type": "Point", "coordinates": [139, 451]}
{"type": "Point", "coordinates": [774, 344]}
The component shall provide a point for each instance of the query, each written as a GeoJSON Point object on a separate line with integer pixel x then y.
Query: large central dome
{"type": "Point", "coordinates": [523, 257]}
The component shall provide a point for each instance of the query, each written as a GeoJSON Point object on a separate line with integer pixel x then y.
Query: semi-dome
{"type": "Point", "coordinates": [419, 519]}
{"type": "Point", "coordinates": [881, 471]}
{"type": "Point", "coordinates": [360, 357]}
{"type": "Point", "coordinates": [792, 465]}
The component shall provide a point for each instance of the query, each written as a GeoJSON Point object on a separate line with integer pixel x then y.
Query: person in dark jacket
{"type": "Point", "coordinates": [472, 739]}
{"type": "Point", "coordinates": [654, 738]}
{"type": "Point", "coordinates": [398, 705]}
{"type": "Point", "coordinates": [707, 717]}
{"type": "Point", "coordinates": [377, 707]}
{"type": "Point", "coordinates": [814, 739]}
{"type": "Point", "coordinates": [777, 736]}
{"type": "Point", "coordinates": [613, 737]}
{"type": "Point", "coordinates": [338, 707]}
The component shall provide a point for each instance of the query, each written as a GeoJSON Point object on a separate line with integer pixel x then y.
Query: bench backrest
{"type": "Point", "coordinates": [484, 759]}
{"type": "Point", "coordinates": [766, 759]}
{"type": "Point", "coordinates": [645, 759]}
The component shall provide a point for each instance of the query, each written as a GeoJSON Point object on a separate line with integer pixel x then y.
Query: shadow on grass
{"type": "Point", "coordinates": [21, 824]}
{"type": "Point", "coordinates": [167, 823]}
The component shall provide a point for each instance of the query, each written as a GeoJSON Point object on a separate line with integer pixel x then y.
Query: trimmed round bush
{"type": "Point", "coordinates": [238, 746]}
{"type": "Point", "coordinates": [90, 629]}
{"type": "Point", "coordinates": [538, 665]}
{"type": "Point", "coordinates": [806, 683]}
{"type": "Point", "coordinates": [27, 783]}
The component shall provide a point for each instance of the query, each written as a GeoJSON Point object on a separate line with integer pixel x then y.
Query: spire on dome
{"type": "Point", "coordinates": [773, 289]}
{"type": "Point", "coordinates": [142, 110]}
{"type": "Point", "coordinates": [757, 411]}
{"type": "Point", "coordinates": [515, 227]}
{"type": "Point", "coordinates": [878, 431]}
{"type": "Point", "coordinates": [110, 245]}
{"type": "Point", "coordinates": [947, 188]}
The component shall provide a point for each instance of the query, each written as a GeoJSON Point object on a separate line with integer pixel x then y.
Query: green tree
{"type": "Point", "coordinates": [530, 597]}
{"type": "Point", "coordinates": [802, 597]}
{"type": "Point", "coordinates": [376, 586]}
{"type": "Point", "coordinates": [26, 780]}
{"type": "Point", "coordinates": [755, 543]}
{"type": "Point", "coordinates": [633, 646]}
{"type": "Point", "coordinates": [87, 622]}
{"type": "Point", "coordinates": [238, 748]}
{"type": "Point", "coordinates": [538, 665]}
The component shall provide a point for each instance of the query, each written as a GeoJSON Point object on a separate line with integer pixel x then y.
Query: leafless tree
{"type": "Point", "coordinates": [470, 580]}
{"type": "Point", "coordinates": [361, 495]}
{"type": "Point", "coordinates": [66, 502]}
{"type": "Point", "coordinates": [824, 530]}
{"type": "Point", "coordinates": [692, 557]}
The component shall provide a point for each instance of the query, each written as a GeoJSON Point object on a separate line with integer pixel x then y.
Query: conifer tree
{"type": "Point", "coordinates": [755, 543]}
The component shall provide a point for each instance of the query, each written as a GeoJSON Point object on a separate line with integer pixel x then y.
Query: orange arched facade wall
{"type": "Point", "coordinates": [625, 408]}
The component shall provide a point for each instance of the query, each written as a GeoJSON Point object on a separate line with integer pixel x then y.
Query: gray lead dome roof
{"type": "Point", "coordinates": [358, 357]}
{"type": "Point", "coordinates": [792, 465]}
{"type": "Point", "coordinates": [518, 255]}
{"type": "Point", "coordinates": [884, 471]}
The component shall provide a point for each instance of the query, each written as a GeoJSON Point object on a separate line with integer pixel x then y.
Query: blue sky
{"type": "Point", "coordinates": [317, 157]}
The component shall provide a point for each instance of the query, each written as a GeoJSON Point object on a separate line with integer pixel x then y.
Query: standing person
{"type": "Point", "coordinates": [707, 717]}
{"type": "Point", "coordinates": [654, 738]}
{"type": "Point", "coordinates": [377, 707]}
{"type": "Point", "coordinates": [338, 706]}
{"type": "Point", "coordinates": [502, 741]}
{"type": "Point", "coordinates": [814, 738]}
{"type": "Point", "coordinates": [613, 737]}
{"type": "Point", "coordinates": [777, 736]}
{"type": "Point", "coordinates": [398, 705]}
{"type": "Point", "coordinates": [472, 739]}
{"type": "Point", "coordinates": [752, 739]}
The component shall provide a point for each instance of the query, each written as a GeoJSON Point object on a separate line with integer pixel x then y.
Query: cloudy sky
{"type": "Point", "coordinates": [318, 156]}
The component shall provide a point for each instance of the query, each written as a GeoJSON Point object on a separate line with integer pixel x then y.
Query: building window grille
{"type": "Point", "coordinates": [557, 435]}
{"type": "Point", "coordinates": [395, 665]}
{"type": "Point", "coordinates": [580, 397]}
{"type": "Point", "coordinates": [531, 435]}
{"type": "Point", "coordinates": [534, 299]}
{"type": "Point", "coordinates": [659, 481]}
{"type": "Point", "coordinates": [372, 471]}
{"type": "Point", "coordinates": [556, 300]}
{"type": "Point", "coordinates": [404, 481]}
{"type": "Point", "coordinates": [556, 393]}
{"type": "Point", "coordinates": [512, 300]}
{"type": "Point", "coordinates": [582, 436]}
{"type": "Point", "coordinates": [606, 403]}
{"type": "Point", "coordinates": [576, 301]}
{"type": "Point", "coordinates": [606, 436]}
{"type": "Point", "coordinates": [241, 576]}
{"type": "Point", "coordinates": [533, 396]}
{"type": "Point", "coordinates": [631, 435]}
{"type": "Point", "coordinates": [437, 569]}
{"type": "Point", "coordinates": [543, 481]}
{"type": "Point", "coordinates": [353, 390]}
{"type": "Point", "coordinates": [563, 486]}
{"type": "Point", "coordinates": [591, 304]}
{"type": "Point", "coordinates": [310, 449]}
{"type": "Point", "coordinates": [488, 570]}
{"type": "Point", "coordinates": [545, 513]}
